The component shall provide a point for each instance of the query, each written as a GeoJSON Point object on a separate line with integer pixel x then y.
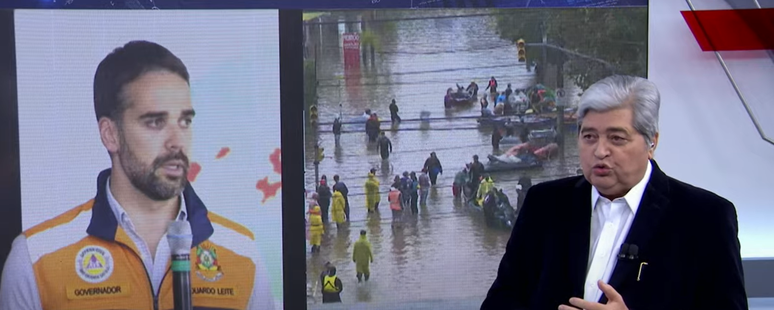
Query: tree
{"type": "Point", "coordinates": [617, 36]}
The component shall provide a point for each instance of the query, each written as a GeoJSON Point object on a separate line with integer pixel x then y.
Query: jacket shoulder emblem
{"type": "Point", "coordinates": [207, 265]}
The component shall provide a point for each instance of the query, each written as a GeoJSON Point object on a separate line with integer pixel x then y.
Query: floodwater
{"type": "Point", "coordinates": [445, 252]}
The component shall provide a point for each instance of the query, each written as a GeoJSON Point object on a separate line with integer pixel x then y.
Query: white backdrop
{"type": "Point", "coordinates": [707, 138]}
{"type": "Point", "coordinates": [233, 60]}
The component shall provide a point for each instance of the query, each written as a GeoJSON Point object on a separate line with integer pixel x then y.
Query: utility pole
{"type": "Point", "coordinates": [363, 47]}
{"type": "Point", "coordinates": [316, 51]}
{"type": "Point", "coordinates": [316, 165]}
{"type": "Point", "coordinates": [338, 88]}
{"type": "Point", "coordinates": [560, 125]}
{"type": "Point", "coordinates": [544, 64]}
{"type": "Point", "coordinates": [373, 56]}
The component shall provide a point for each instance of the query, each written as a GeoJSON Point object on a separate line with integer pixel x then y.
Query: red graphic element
{"type": "Point", "coordinates": [269, 190]}
{"type": "Point", "coordinates": [223, 152]}
{"type": "Point", "coordinates": [276, 161]}
{"type": "Point", "coordinates": [193, 171]}
{"type": "Point", "coordinates": [732, 30]}
{"type": "Point", "coordinates": [351, 46]}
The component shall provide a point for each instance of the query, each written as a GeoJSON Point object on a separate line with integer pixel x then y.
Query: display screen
{"type": "Point", "coordinates": [176, 104]}
{"type": "Point", "coordinates": [455, 77]}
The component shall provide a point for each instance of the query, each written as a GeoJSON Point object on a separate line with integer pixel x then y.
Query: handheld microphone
{"type": "Point", "coordinates": [180, 240]}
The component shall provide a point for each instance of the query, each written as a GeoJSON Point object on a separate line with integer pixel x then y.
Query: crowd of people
{"type": "Point", "coordinates": [329, 204]}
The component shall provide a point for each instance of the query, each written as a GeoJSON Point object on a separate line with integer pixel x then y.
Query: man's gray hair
{"type": "Point", "coordinates": [621, 91]}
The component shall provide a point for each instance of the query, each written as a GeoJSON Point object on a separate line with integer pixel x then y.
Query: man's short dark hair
{"type": "Point", "coordinates": [123, 66]}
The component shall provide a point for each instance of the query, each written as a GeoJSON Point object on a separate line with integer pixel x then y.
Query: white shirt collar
{"type": "Point", "coordinates": [123, 218]}
{"type": "Point", "coordinates": [633, 197]}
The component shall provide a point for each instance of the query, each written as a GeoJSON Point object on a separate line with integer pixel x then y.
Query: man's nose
{"type": "Point", "coordinates": [175, 138]}
{"type": "Point", "coordinates": [601, 150]}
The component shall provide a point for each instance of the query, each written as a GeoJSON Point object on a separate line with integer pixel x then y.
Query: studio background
{"type": "Point", "coordinates": [707, 137]}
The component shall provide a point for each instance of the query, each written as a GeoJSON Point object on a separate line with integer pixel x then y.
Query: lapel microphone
{"type": "Point", "coordinates": [624, 250]}
{"type": "Point", "coordinates": [633, 251]}
{"type": "Point", "coordinates": [629, 251]}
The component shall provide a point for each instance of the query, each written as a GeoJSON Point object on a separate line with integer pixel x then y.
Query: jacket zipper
{"type": "Point", "coordinates": [147, 274]}
{"type": "Point", "coordinates": [156, 297]}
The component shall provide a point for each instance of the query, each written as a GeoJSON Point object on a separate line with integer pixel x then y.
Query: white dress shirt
{"type": "Point", "coordinates": [610, 223]}
{"type": "Point", "coordinates": [155, 266]}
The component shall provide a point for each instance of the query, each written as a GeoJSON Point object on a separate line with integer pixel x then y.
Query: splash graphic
{"type": "Point", "coordinates": [275, 160]}
{"type": "Point", "coordinates": [193, 171]}
{"type": "Point", "coordinates": [223, 152]}
{"type": "Point", "coordinates": [270, 189]}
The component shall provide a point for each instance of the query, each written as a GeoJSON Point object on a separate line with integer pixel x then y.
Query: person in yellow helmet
{"type": "Point", "coordinates": [372, 192]}
{"type": "Point", "coordinates": [316, 228]}
{"type": "Point", "coordinates": [339, 217]}
{"type": "Point", "coordinates": [331, 287]}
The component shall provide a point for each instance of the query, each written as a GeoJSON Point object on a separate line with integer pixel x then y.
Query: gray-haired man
{"type": "Point", "coordinates": [624, 235]}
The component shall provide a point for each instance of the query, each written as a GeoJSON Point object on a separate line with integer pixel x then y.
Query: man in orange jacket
{"type": "Point", "coordinates": [111, 252]}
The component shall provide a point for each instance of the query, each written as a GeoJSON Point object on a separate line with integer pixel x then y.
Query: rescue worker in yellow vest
{"type": "Point", "coordinates": [331, 287]}
{"type": "Point", "coordinates": [111, 252]}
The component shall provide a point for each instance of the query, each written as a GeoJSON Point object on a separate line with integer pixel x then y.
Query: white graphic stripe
{"type": "Point", "coordinates": [58, 237]}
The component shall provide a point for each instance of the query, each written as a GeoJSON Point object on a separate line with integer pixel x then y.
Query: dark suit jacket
{"type": "Point", "coordinates": [687, 235]}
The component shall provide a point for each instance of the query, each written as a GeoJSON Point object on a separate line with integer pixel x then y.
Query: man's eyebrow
{"type": "Point", "coordinates": [154, 115]}
{"type": "Point", "coordinates": [617, 130]}
{"type": "Point", "coordinates": [608, 130]}
{"type": "Point", "coordinates": [189, 112]}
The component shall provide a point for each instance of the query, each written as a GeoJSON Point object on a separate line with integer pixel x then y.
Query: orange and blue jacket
{"type": "Point", "coordinates": [109, 272]}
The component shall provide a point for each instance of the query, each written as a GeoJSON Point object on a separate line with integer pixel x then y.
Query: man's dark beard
{"type": "Point", "coordinates": [144, 178]}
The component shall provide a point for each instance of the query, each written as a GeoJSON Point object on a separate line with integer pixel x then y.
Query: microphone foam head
{"type": "Point", "coordinates": [180, 237]}
{"type": "Point", "coordinates": [634, 249]}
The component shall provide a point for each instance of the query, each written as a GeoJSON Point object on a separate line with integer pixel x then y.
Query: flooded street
{"type": "Point", "coordinates": [439, 253]}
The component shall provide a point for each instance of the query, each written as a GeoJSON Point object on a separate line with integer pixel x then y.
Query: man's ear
{"type": "Point", "coordinates": [109, 134]}
{"type": "Point", "coordinates": [652, 146]}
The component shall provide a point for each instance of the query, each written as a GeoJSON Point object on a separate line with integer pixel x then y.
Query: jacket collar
{"type": "Point", "coordinates": [653, 207]}
{"type": "Point", "coordinates": [632, 198]}
{"type": "Point", "coordinates": [104, 224]}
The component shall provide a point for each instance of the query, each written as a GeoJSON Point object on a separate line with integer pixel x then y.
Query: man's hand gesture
{"type": "Point", "coordinates": [614, 300]}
